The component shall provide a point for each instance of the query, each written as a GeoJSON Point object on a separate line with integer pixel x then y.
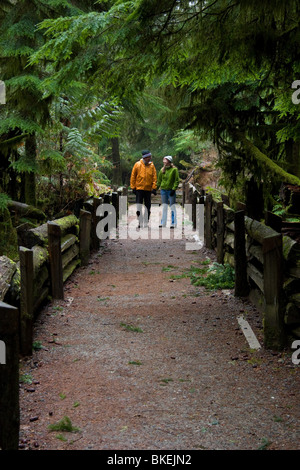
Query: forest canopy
{"type": "Point", "coordinates": [89, 84]}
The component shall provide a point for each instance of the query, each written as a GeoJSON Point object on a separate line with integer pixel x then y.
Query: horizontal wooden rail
{"type": "Point", "coordinates": [9, 377]}
{"type": "Point", "coordinates": [266, 263]}
{"type": "Point", "coordinates": [50, 254]}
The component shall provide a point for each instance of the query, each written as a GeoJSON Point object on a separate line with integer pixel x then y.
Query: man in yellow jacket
{"type": "Point", "coordinates": [143, 184]}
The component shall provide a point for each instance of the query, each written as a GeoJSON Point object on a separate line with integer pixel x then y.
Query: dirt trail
{"type": "Point", "coordinates": [137, 360]}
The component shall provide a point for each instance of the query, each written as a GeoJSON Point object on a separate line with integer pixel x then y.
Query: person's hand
{"type": "Point", "coordinates": [154, 192]}
{"type": "Point", "coordinates": [172, 192]}
{"type": "Point", "coordinates": [134, 191]}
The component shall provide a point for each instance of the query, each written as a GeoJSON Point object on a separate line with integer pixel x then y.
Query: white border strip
{"type": "Point", "coordinates": [248, 332]}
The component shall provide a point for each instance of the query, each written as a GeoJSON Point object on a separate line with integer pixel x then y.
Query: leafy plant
{"type": "Point", "coordinates": [265, 443]}
{"type": "Point", "coordinates": [64, 425]}
{"type": "Point", "coordinates": [170, 267]}
{"type": "Point", "coordinates": [216, 276]}
{"type": "Point", "coordinates": [61, 437]}
{"type": "Point", "coordinates": [26, 378]}
{"type": "Point", "coordinates": [4, 200]}
{"type": "Point", "coordinates": [165, 381]}
{"type": "Point", "coordinates": [37, 345]}
{"type": "Point", "coordinates": [131, 327]}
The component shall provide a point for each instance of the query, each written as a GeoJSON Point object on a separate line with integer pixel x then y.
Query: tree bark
{"type": "Point", "coordinates": [30, 151]}
{"type": "Point", "coordinates": [116, 160]}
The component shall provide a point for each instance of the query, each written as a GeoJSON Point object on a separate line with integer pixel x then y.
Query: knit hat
{"type": "Point", "coordinates": [168, 157]}
{"type": "Point", "coordinates": [146, 153]}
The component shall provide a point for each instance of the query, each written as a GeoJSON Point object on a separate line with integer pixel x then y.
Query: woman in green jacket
{"type": "Point", "coordinates": [168, 181]}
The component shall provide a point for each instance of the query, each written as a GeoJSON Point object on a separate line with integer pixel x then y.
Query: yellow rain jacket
{"type": "Point", "coordinates": [143, 176]}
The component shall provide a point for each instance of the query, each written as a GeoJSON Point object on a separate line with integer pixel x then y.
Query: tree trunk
{"type": "Point", "coordinates": [30, 190]}
{"type": "Point", "coordinates": [116, 160]}
{"type": "Point", "coordinates": [254, 199]}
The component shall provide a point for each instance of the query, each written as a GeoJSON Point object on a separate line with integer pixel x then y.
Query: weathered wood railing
{"type": "Point", "coordinates": [49, 255]}
{"type": "Point", "coordinates": [9, 378]}
{"type": "Point", "coordinates": [267, 268]}
{"type": "Point", "coordinates": [266, 262]}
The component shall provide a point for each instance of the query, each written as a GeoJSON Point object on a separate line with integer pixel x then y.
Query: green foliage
{"type": "Point", "coordinates": [64, 425]}
{"type": "Point", "coordinates": [38, 107]}
{"type": "Point", "coordinates": [216, 276]}
{"type": "Point", "coordinates": [8, 234]}
{"type": "Point", "coordinates": [223, 60]}
{"type": "Point", "coordinates": [128, 327]}
{"type": "Point", "coordinates": [175, 75]}
{"type": "Point", "coordinates": [51, 161]}
{"type": "Point", "coordinates": [26, 378]}
{"type": "Point", "coordinates": [4, 200]}
{"type": "Point", "coordinates": [188, 142]}
{"type": "Point", "coordinates": [37, 345]}
{"type": "Point", "coordinates": [25, 164]}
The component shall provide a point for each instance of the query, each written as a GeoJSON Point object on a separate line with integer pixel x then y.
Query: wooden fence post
{"type": "Point", "coordinates": [115, 202]}
{"type": "Point", "coordinates": [208, 222]}
{"type": "Point", "coordinates": [9, 378]}
{"type": "Point", "coordinates": [194, 209]}
{"type": "Point", "coordinates": [95, 242]}
{"type": "Point", "coordinates": [190, 193]}
{"type": "Point", "coordinates": [240, 259]}
{"type": "Point", "coordinates": [26, 300]}
{"type": "Point", "coordinates": [220, 233]}
{"type": "Point", "coordinates": [274, 221]}
{"type": "Point", "coordinates": [274, 335]}
{"type": "Point", "coordinates": [183, 193]}
{"type": "Point", "coordinates": [85, 236]}
{"type": "Point", "coordinates": [107, 198]}
{"type": "Point", "coordinates": [55, 256]}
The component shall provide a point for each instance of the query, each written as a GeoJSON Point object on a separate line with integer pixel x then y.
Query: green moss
{"type": "Point", "coordinates": [40, 257]}
{"type": "Point", "coordinates": [66, 222]}
{"type": "Point", "coordinates": [265, 161]}
{"type": "Point", "coordinates": [64, 425]}
{"type": "Point", "coordinates": [8, 236]}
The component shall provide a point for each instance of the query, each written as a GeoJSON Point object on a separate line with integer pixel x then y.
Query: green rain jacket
{"type": "Point", "coordinates": [169, 179]}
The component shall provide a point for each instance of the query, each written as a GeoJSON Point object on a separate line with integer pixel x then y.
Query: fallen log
{"type": "Point", "coordinates": [7, 270]}
{"type": "Point", "coordinates": [25, 210]}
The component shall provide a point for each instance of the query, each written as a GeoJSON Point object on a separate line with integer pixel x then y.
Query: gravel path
{"type": "Point", "coordinates": [138, 360]}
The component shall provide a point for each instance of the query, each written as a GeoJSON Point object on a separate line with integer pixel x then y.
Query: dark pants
{"type": "Point", "coordinates": [143, 198]}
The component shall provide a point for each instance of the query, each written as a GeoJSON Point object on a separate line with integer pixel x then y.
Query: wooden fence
{"type": "Point", "coordinates": [266, 262]}
{"type": "Point", "coordinates": [49, 254]}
